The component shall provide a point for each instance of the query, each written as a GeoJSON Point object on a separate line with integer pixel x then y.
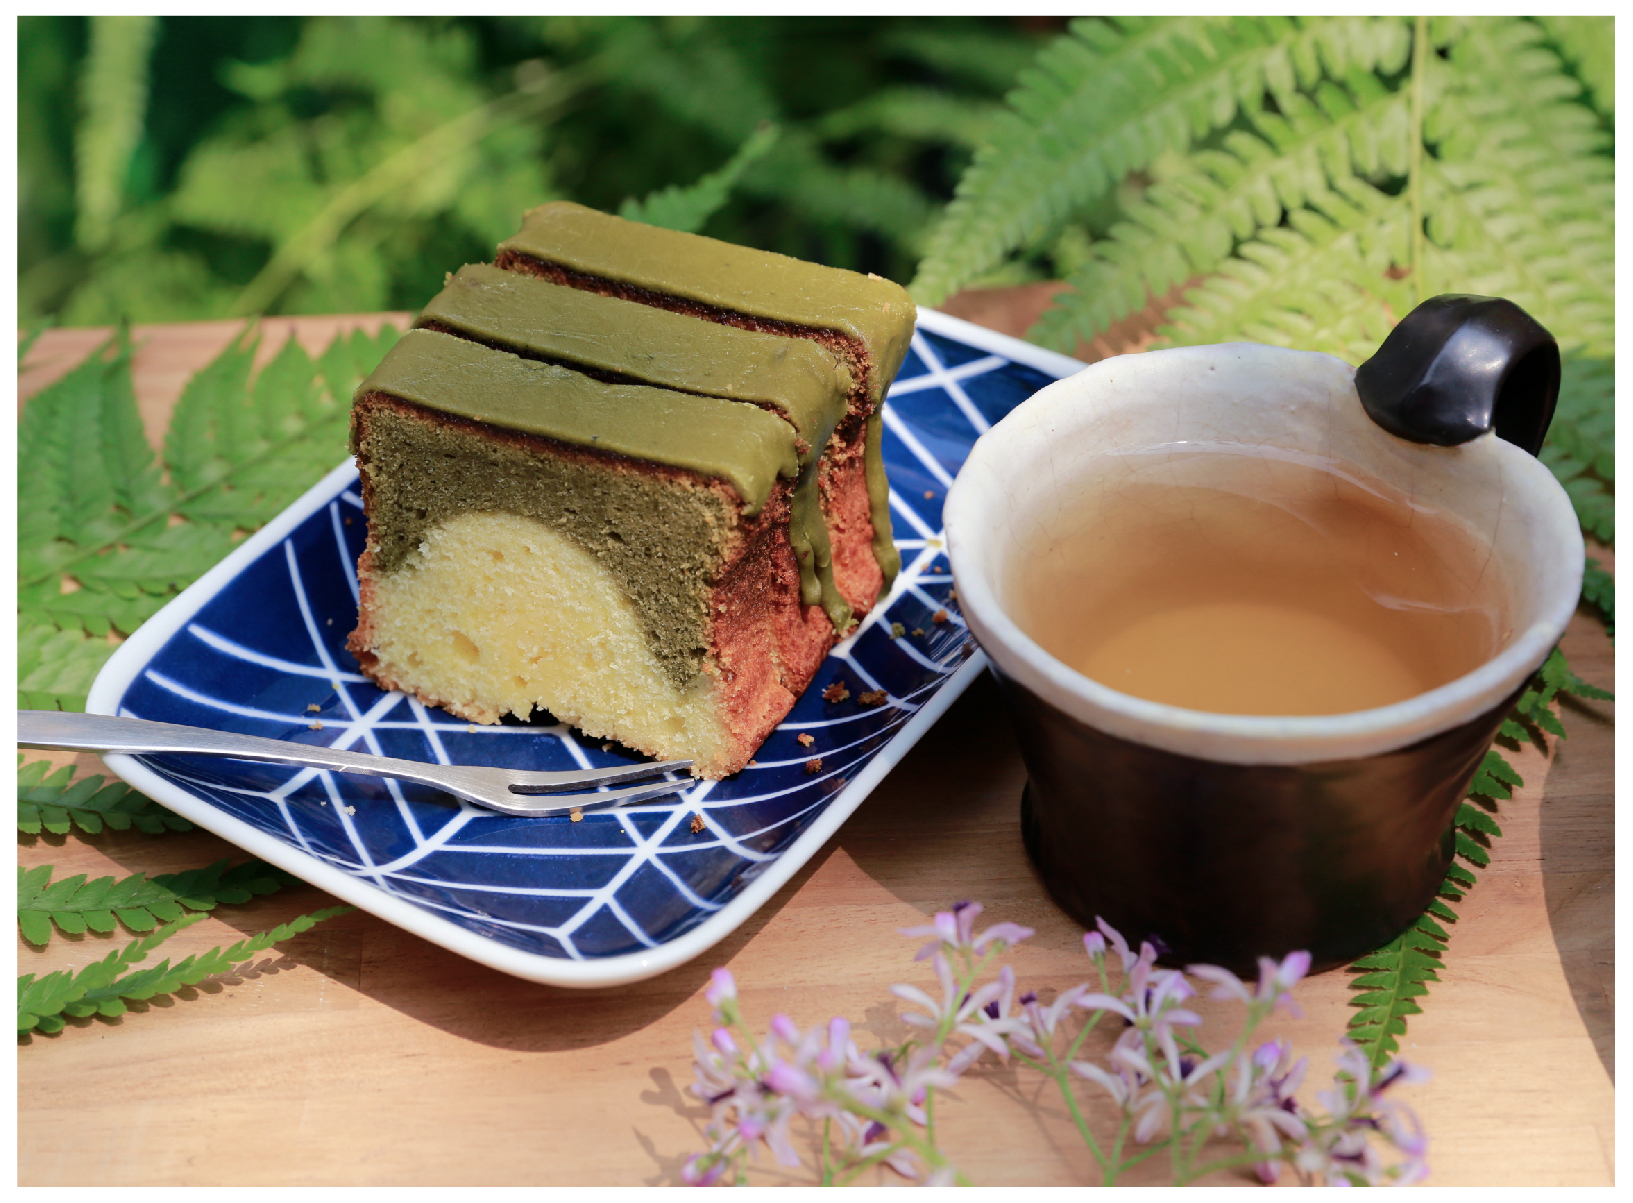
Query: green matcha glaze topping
{"type": "Point", "coordinates": [873, 466]}
{"type": "Point", "coordinates": [741, 444]}
{"type": "Point", "coordinates": [871, 310]}
{"type": "Point", "coordinates": [803, 379]}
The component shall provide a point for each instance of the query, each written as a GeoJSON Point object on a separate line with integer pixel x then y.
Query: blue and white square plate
{"type": "Point", "coordinates": [258, 645]}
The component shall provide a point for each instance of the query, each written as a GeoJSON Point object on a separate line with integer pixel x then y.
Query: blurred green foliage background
{"type": "Point", "coordinates": [180, 168]}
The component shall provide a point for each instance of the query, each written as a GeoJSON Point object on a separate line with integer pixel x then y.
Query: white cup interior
{"type": "Point", "coordinates": [1042, 471]}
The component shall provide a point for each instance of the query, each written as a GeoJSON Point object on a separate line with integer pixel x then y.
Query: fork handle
{"type": "Point", "coordinates": [71, 731]}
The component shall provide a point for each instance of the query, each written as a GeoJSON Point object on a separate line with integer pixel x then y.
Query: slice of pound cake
{"type": "Point", "coordinates": [650, 525]}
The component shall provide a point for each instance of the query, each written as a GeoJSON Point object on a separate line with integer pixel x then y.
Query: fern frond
{"type": "Point", "coordinates": [41, 1001]}
{"type": "Point", "coordinates": [1318, 284]}
{"type": "Point", "coordinates": [74, 904]}
{"type": "Point", "coordinates": [923, 114]}
{"type": "Point", "coordinates": [635, 55]}
{"type": "Point", "coordinates": [975, 55]}
{"type": "Point", "coordinates": [797, 174]}
{"type": "Point", "coordinates": [1107, 99]}
{"type": "Point", "coordinates": [1599, 590]}
{"type": "Point", "coordinates": [97, 548]}
{"type": "Point", "coordinates": [55, 668]}
{"type": "Point", "coordinates": [1400, 971]}
{"type": "Point", "coordinates": [1522, 197]}
{"type": "Point", "coordinates": [1190, 222]}
{"type": "Point", "coordinates": [1581, 447]}
{"type": "Point", "coordinates": [109, 999]}
{"type": "Point", "coordinates": [1495, 778]}
{"type": "Point", "coordinates": [57, 803]}
{"type": "Point", "coordinates": [1589, 45]}
{"type": "Point", "coordinates": [687, 208]}
{"type": "Point", "coordinates": [113, 102]}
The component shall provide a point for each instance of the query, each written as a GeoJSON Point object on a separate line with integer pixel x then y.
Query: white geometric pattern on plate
{"type": "Point", "coordinates": [257, 645]}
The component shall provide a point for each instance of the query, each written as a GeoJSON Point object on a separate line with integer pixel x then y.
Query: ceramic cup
{"type": "Point", "coordinates": [1226, 837]}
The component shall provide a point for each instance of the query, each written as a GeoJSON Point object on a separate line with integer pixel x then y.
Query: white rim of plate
{"type": "Point", "coordinates": [133, 655]}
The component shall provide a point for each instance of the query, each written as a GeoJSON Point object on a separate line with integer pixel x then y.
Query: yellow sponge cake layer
{"type": "Point", "coordinates": [497, 613]}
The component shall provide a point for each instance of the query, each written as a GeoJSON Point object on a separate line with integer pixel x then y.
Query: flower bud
{"type": "Point", "coordinates": [722, 988]}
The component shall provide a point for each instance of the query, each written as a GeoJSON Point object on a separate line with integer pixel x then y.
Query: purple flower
{"type": "Point", "coordinates": [783, 1028]}
{"type": "Point", "coordinates": [1118, 944]}
{"type": "Point", "coordinates": [1262, 1101]}
{"type": "Point", "coordinates": [1151, 1004]}
{"type": "Point", "coordinates": [704, 1169]}
{"type": "Point", "coordinates": [1276, 981]}
{"type": "Point", "coordinates": [722, 988]}
{"type": "Point", "coordinates": [1342, 1150]}
{"type": "Point", "coordinates": [955, 930]}
{"type": "Point", "coordinates": [839, 1048]}
{"type": "Point", "coordinates": [793, 1081]}
{"type": "Point", "coordinates": [991, 1025]}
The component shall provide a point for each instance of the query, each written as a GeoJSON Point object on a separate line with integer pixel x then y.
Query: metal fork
{"type": "Point", "coordinates": [503, 790]}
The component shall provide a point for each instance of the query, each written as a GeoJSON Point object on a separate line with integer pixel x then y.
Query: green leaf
{"type": "Point", "coordinates": [55, 668]}
{"type": "Point", "coordinates": [1599, 591]}
{"type": "Point", "coordinates": [41, 1002]}
{"type": "Point", "coordinates": [1494, 777]}
{"type": "Point", "coordinates": [1110, 98]}
{"type": "Point", "coordinates": [678, 208]}
{"type": "Point", "coordinates": [74, 904]}
{"type": "Point", "coordinates": [1588, 44]}
{"type": "Point", "coordinates": [1475, 819]}
{"type": "Point", "coordinates": [100, 549]}
{"type": "Point", "coordinates": [60, 802]}
{"type": "Point", "coordinates": [101, 987]}
{"type": "Point", "coordinates": [113, 102]}
{"type": "Point", "coordinates": [165, 978]}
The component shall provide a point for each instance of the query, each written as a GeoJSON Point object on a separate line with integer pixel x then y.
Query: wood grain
{"type": "Point", "coordinates": [357, 1054]}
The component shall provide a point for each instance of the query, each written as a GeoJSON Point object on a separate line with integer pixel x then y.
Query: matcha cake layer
{"type": "Point", "coordinates": [619, 340]}
{"type": "Point", "coordinates": [866, 320]}
{"type": "Point", "coordinates": [616, 554]}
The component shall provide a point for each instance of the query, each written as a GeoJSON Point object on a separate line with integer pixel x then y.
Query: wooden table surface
{"type": "Point", "coordinates": [357, 1054]}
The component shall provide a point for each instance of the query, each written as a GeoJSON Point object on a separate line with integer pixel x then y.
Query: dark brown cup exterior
{"type": "Point", "coordinates": [1223, 863]}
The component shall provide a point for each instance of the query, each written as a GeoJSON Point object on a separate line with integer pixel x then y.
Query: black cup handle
{"type": "Point", "coordinates": [1458, 366]}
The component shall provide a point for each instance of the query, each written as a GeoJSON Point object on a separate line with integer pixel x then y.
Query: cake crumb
{"type": "Point", "coordinates": [317, 726]}
{"type": "Point", "coordinates": [918, 631]}
{"type": "Point", "coordinates": [697, 824]}
{"type": "Point", "coordinates": [929, 494]}
{"type": "Point", "coordinates": [814, 765]}
{"type": "Point", "coordinates": [952, 595]}
{"type": "Point", "coordinates": [897, 630]}
{"type": "Point", "coordinates": [753, 764]}
{"type": "Point", "coordinates": [806, 738]}
{"type": "Point", "coordinates": [939, 616]}
{"type": "Point", "coordinates": [470, 728]}
{"type": "Point", "coordinates": [313, 706]}
{"type": "Point", "coordinates": [328, 622]}
{"type": "Point", "coordinates": [873, 697]}
{"type": "Point", "coordinates": [836, 692]}
{"type": "Point", "coordinates": [576, 814]}
{"type": "Point", "coordinates": [351, 810]}
{"type": "Point", "coordinates": [608, 746]}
